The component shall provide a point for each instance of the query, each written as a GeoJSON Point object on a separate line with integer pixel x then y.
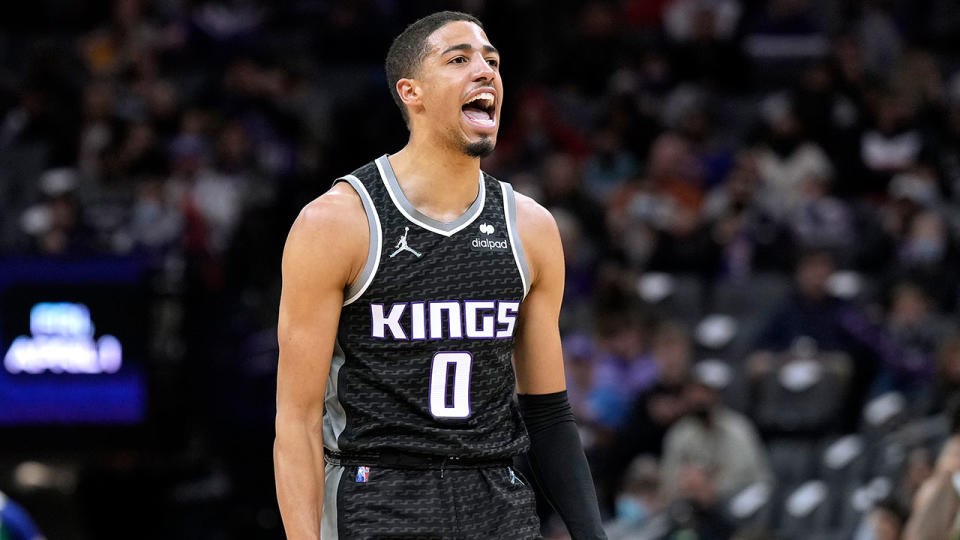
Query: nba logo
{"type": "Point", "coordinates": [514, 479]}
{"type": "Point", "coordinates": [363, 473]}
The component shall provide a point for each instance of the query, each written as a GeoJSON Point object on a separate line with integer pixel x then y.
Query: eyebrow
{"type": "Point", "coordinates": [469, 47]}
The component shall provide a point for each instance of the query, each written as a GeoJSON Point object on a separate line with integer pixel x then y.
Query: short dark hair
{"type": "Point", "coordinates": [408, 50]}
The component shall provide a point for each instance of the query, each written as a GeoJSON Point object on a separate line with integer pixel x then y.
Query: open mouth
{"type": "Point", "coordinates": [480, 110]}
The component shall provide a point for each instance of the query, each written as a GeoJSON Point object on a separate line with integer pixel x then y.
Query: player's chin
{"type": "Point", "coordinates": [480, 148]}
{"type": "Point", "coordinates": [479, 143]}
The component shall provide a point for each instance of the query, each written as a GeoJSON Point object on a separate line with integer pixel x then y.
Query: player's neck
{"type": "Point", "coordinates": [438, 182]}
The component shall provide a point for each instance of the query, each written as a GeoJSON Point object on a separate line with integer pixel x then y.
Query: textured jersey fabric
{"type": "Point", "coordinates": [462, 504]}
{"type": "Point", "coordinates": [423, 354]}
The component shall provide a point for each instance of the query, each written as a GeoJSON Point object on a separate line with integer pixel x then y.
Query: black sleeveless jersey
{"type": "Point", "coordinates": [423, 358]}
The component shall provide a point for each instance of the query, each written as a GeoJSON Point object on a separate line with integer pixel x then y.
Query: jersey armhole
{"type": "Point", "coordinates": [373, 252]}
{"type": "Point", "coordinates": [510, 215]}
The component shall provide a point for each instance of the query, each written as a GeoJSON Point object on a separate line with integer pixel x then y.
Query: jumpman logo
{"type": "Point", "coordinates": [402, 245]}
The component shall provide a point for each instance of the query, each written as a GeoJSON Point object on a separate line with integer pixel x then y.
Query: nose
{"type": "Point", "coordinates": [482, 71]}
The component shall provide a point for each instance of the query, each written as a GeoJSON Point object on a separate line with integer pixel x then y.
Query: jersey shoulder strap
{"type": "Point", "coordinates": [510, 216]}
{"type": "Point", "coordinates": [365, 181]}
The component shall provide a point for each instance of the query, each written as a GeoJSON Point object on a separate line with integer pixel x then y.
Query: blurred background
{"type": "Point", "coordinates": [758, 206]}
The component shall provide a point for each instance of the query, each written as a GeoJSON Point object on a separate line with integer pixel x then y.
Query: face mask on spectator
{"type": "Point", "coordinates": [702, 413]}
{"type": "Point", "coordinates": [147, 212]}
{"type": "Point", "coordinates": [631, 509]}
{"type": "Point", "coordinates": [925, 250]}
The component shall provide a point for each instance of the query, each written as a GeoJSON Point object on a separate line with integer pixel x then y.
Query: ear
{"type": "Point", "coordinates": [410, 92]}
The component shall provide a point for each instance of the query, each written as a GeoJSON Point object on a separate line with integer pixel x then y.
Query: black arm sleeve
{"type": "Point", "coordinates": [559, 465]}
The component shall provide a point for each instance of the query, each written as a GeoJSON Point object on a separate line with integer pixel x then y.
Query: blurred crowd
{"type": "Point", "coordinates": [758, 202]}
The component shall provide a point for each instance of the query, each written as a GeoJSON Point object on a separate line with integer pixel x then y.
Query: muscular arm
{"type": "Point", "coordinates": [556, 457]}
{"type": "Point", "coordinates": [537, 351]}
{"type": "Point", "coordinates": [325, 251]}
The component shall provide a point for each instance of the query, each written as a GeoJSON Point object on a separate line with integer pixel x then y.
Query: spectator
{"type": "Point", "coordinates": [749, 238]}
{"type": "Point", "coordinates": [786, 158]}
{"type": "Point", "coordinates": [672, 182]}
{"type": "Point", "coordinates": [947, 386]}
{"type": "Point", "coordinates": [829, 116]}
{"type": "Point", "coordinates": [690, 111]}
{"type": "Point", "coordinates": [935, 507]}
{"type": "Point", "coordinates": [909, 194]}
{"type": "Point", "coordinates": [657, 408]}
{"type": "Point", "coordinates": [127, 39]}
{"type": "Point", "coordinates": [703, 35]}
{"type": "Point", "coordinates": [640, 509]}
{"type": "Point", "coordinates": [563, 188]}
{"type": "Point", "coordinates": [885, 521]}
{"type": "Point", "coordinates": [913, 321]}
{"type": "Point", "coordinates": [657, 219]}
{"type": "Point", "coordinates": [622, 371]}
{"type": "Point", "coordinates": [927, 254]}
{"type": "Point", "coordinates": [696, 511]}
{"type": "Point", "coordinates": [894, 143]}
{"type": "Point", "coordinates": [880, 39]}
{"type": "Point", "coordinates": [919, 467]}
{"type": "Point", "coordinates": [934, 510]}
{"type": "Point", "coordinates": [156, 222]}
{"type": "Point", "coordinates": [579, 356]}
{"type": "Point", "coordinates": [686, 20]}
{"type": "Point", "coordinates": [820, 220]}
{"type": "Point", "coordinates": [711, 442]}
{"type": "Point", "coordinates": [98, 130]}
{"type": "Point", "coordinates": [654, 410]}
{"type": "Point", "coordinates": [809, 311]}
{"type": "Point", "coordinates": [609, 166]}
{"type": "Point", "coordinates": [580, 259]}
{"type": "Point", "coordinates": [56, 225]}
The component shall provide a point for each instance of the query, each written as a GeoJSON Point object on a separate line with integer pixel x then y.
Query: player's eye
{"type": "Point", "coordinates": [458, 60]}
{"type": "Point", "coordinates": [493, 62]}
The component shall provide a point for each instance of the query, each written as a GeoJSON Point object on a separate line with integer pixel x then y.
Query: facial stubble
{"type": "Point", "coordinates": [476, 149]}
{"type": "Point", "coordinates": [479, 149]}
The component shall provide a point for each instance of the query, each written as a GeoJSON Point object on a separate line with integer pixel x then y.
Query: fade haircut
{"type": "Point", "coordinates": [409, 49]}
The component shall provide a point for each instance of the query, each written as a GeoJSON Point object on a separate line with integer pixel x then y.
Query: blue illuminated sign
{"type": "Point", "coordinates": [72, 336]}
{"type": "Point", "coordinates": [63, 341]}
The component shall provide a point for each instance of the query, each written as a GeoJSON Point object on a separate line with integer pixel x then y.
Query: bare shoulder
{"type": "Point", "coordinates": [340, 206]}
{"type": "Point", "coordinates": [539, 235]}
{"type": "Point", "coordinates": [532, 215]}
{"type": "Point", "coordinates": [331, 233]}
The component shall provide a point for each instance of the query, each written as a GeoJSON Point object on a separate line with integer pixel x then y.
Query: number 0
{"type": "Point", "coordinates": [460, 407]}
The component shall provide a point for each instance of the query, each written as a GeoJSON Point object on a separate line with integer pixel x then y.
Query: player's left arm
{"type": "Point", "coordinates": [556, 456]}
{"type": "Point", "coordinates": [538, 356]}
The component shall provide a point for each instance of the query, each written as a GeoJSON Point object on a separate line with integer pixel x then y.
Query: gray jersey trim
{"type": "Point", "coordinates": [331, 487]}
{"type": "Point", "coordinates": [334, 417]}
{"type": "Point", "coordinates": [510, 211]}
{"type": "Point", "coordinates": [418, 217]}
{"type": "Point", "coordinates": [373, 252]}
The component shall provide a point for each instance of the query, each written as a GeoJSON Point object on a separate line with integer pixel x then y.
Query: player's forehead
{"type": "Point", "coordinates": [457, 33]}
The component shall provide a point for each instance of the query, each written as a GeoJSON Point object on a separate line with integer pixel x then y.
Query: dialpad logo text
{"type": "Point", "coordinates": [489, 244]}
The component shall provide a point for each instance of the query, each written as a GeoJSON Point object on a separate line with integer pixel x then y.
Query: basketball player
{"type": "Point", "coordinates": [419, 295]}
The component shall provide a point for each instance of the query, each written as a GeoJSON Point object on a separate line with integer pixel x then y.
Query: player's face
{"type": "Point", "coordinates": [462, 87]}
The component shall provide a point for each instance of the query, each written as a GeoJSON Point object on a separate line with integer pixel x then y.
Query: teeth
{"type": "Point", "coordinates": [485, 97]}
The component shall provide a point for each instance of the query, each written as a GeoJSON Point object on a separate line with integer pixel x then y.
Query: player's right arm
{"type": "Point", "coordinates": [325, 252]}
